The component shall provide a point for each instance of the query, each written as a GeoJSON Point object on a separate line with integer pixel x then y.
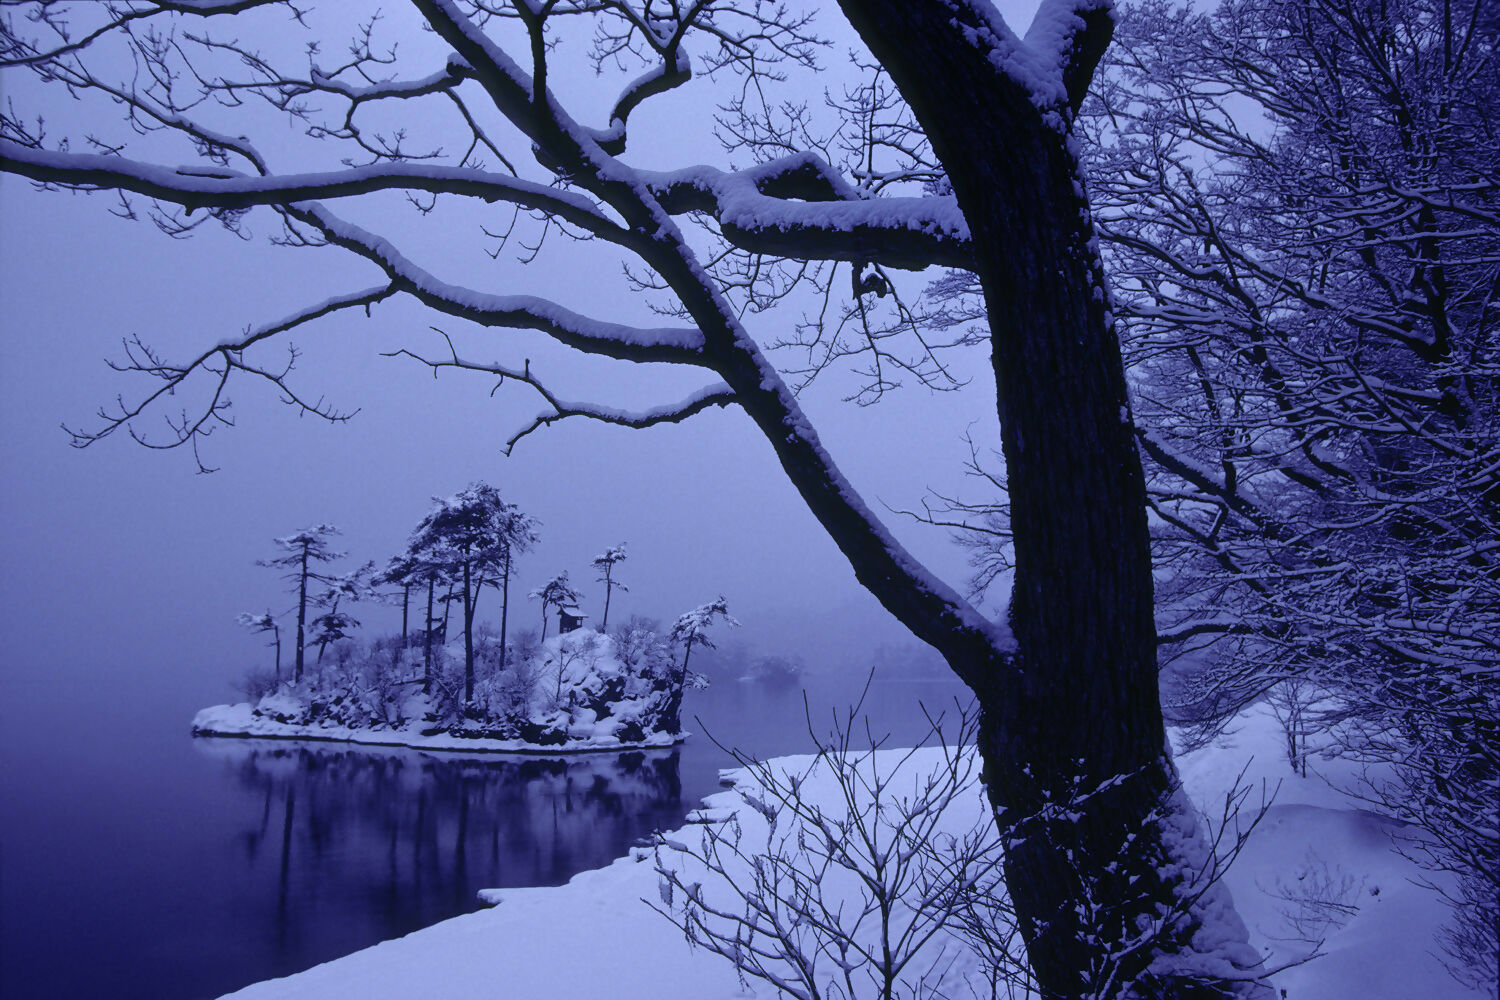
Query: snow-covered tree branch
{"type": "Point", "coordinates": [956, 149]}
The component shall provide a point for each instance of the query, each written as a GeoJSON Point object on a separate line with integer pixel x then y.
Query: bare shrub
{"type": "Point", "coordinates": [857, 892]}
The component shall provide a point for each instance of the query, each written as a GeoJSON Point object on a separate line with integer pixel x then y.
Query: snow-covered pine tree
{"type": "Point", "coordinates": [605, 562]}
{"type": "Point", "coordinates": [304, 551]}
{"type": "Point", "coordinates": [555, 593]}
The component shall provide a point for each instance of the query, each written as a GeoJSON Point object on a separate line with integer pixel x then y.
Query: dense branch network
{"type": "Point", "coordinates": [200, 86]}
{"type": "Point", "coordinates": [957, 149]}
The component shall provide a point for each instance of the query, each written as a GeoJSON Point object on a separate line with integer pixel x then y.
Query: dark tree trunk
{"type": "Point", "coordinates": [405, 604]}
{"type": "Point", "coordinates": [1077, 709]}
{"type": "Point", "coordinates": [324, 643]}
{"type": "Point", "coordinates": [504, 605]}
{"type": "Point", "coordinates": [604, 622]}
{"type": "Point", "coordinates": [427, 639]}
{"type": "Point", "coordinates": [672, 715]}
{"type": "Point", "coordinates": [301, 614]}
{"type": "Point", "coordinates": [470, 597]}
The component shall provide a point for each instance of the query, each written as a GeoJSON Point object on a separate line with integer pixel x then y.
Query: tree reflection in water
{"type": "Point", "coordinates": [354, 846]}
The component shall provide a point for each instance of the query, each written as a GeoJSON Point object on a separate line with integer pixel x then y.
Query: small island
{"type": "Point", "coordinates": [580, 691]}
{"type": "Point", "coordinates": [583, 689]}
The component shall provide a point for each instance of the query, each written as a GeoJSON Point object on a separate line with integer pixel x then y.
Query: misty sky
{"type": "Point", "coordinates": [117, 558]}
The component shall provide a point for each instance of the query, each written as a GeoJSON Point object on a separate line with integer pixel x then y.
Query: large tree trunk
{"type": "Point", "coordinates": [1076, 714]}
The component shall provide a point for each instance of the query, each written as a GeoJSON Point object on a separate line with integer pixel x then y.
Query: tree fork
{"type": "Point", "coordinates": [1076, 717]}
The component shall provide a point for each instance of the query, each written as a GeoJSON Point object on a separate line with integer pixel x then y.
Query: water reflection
{"type": "Point", "coordinates": [395, 840]}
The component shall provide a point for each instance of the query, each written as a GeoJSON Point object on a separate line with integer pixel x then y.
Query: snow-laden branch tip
{"type": "Point", "coordinates": [799, 206]}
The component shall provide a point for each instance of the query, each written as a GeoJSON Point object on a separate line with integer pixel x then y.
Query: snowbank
{"type": "Point", "coordinates": [597, 937]}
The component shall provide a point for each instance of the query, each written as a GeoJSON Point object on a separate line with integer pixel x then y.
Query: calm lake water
{"type": "Point", "coordinates": [136, 861]}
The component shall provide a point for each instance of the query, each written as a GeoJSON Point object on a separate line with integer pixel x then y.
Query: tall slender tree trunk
{"type": "Point", "coordinates": [1098, 837]}
{"type": "Point", "coordinates": [301, 614]}
{"type": "Point", "coordinates": [673, 712]}
{"type": "Point", "coordinates": [504, 605]}
{"type": "Point", "coordinates": [470, 597]}
{"type": "Point", "coordinates": [427, 639]}
{"type": "Point", "coordinates": [448, 608]}
{"type": "Point", "coordinates": [604, 622]}
{"type": "Point", "coordinates": [405, 603]}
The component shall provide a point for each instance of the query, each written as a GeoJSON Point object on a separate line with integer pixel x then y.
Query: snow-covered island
{"type": "Point", "coordinates": [580, 691]}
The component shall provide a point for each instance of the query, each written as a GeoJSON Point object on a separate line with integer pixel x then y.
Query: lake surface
{"type": "Point", "coordinates": [137, 861]}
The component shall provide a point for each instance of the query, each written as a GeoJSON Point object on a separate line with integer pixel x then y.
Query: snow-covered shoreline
{"type": "Point", "coordinates": [239, 721]}
{"type": "Point", "coordinates": [597, 937]}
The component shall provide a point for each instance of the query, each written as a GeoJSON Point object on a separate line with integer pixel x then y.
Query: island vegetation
{"type": "Point", "coordinates": [582, 688]}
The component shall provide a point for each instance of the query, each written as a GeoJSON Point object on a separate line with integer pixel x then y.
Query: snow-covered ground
{"type": "Point", "coordinates": [597, 936]}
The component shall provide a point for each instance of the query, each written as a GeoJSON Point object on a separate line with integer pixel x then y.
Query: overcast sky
{"type": "Point", "coordinates": [117, 558]}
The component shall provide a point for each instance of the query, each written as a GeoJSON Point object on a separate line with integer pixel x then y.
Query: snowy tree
{"type": "Point", "coordinates": [401, 571]}
{"type": "Point", "coordinates": [555, 593]}
{"type": "Point", "coordinates": [958, 152]}
{"type": "Point", "coordinates": [1300, 207]}
{"type": "Point", "coordinates": [429, 572]}
{"type": "Point", "coordinates": [690, 631]}
{"type": "Point", "coordinates": [605, 563]}
{"type": "Point", "coordinates": [332, 625]}
{"type": "Point", "coordinates": [264, 623]}
{"type": "Point", "coordinates": [475, 534]}
{"type": "Point", "coordinates": [304, 550]}
{"type": "Point", "coordinates": [643, 649]}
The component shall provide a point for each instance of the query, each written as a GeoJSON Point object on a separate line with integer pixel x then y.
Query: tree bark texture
{"type": "Point", "coordinates": [1071, 734]}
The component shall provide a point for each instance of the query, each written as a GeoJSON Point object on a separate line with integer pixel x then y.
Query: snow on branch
{"type": "Point", "coordinates": [828, 219]}
{"type": "Point", "coordinates": [658, 80]}
{"type": "Point", "coordinates": [196, 187]}
{"type": "Point", "coordinates": [1072, 35]}
{"type": "Point", "coordinates": [1055, 62]}
{"type": "Point", "coordinates": [678, 345]}
{"type": "Point", "coordinates": [717, 394]}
